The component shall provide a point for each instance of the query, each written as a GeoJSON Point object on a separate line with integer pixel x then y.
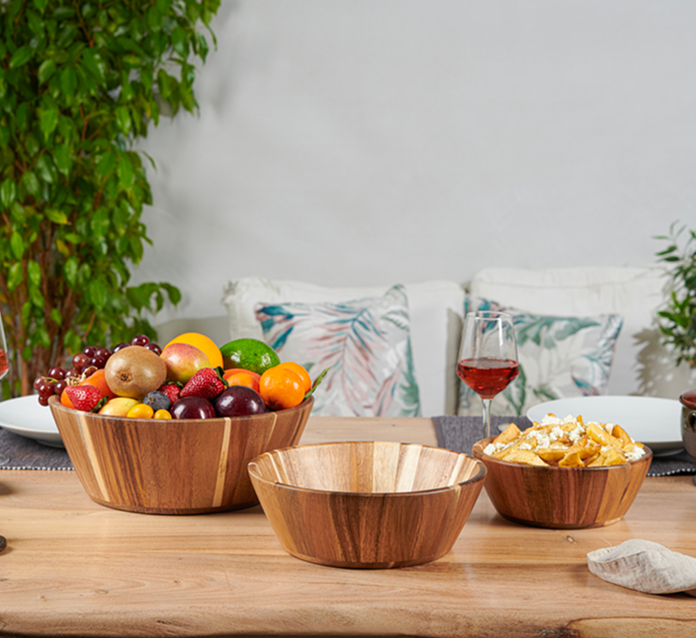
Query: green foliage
{"type": "Point", "coordinates": [79, 82]}
{"type": "Point", "coordinates": [678, 321]}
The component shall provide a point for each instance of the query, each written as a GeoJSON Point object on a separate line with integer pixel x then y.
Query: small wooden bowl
{"type": "Point", "coordinates": [186, 466]}
{"type": "Point", "coordinates": [562, 497]}
{"type": "Point", "coordinates": [367, 504]}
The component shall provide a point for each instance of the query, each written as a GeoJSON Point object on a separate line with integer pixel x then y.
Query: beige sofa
{"type": "Point", "coordinates": [640, 366]}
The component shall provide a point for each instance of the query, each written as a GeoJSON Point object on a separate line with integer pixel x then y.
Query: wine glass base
{"type": "Point", "coordinates": [4, 459]}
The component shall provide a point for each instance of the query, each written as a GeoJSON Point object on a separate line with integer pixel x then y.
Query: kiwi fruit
{"type": "Point", "coordinates": [134, 372]}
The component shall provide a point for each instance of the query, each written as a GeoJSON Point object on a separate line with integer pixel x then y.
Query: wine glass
{"type": "Point", "coordinates": [489, 357]}
{"type": "Point", "coordinates": [4, 369]}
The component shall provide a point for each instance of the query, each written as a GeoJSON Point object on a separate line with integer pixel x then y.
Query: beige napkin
{"type": "Point", "coordinates": [646, 567]}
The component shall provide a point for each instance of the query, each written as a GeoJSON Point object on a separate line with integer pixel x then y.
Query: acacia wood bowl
{"type": "Point", "coordinates": [367, 504]}
{"type": "Point", "coordinates": [562, 497]}
{"type": "Point", "coordinates": [178, 466]}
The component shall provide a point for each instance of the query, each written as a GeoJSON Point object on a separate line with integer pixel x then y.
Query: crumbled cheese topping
{"type": "Point", "coordinates": [554, 433]}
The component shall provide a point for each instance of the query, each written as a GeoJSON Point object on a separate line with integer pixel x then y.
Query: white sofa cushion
{"type": "Point", "coordinates": [435, 310]}
{"type": "Point", "coordinates": [633, 293]}
{"type": "Point", "coordinates": [364, 345]}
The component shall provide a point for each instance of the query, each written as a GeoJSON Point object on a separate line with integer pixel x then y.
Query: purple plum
{"type": "Point", "coordinates": [193, 408]}
{"type": "Point", "coordinates": [239, 400]}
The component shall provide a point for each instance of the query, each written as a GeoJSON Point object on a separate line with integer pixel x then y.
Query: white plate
{"type": "Point", "coordinates": [650, 420]}
{"type": "Point", "coordinates": [24, 416]}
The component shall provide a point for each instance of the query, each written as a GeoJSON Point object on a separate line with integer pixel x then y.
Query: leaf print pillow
{"type": "Point", "coordinates": [365, 343]}
{"type": "Point", "coordinates": [559, 357]}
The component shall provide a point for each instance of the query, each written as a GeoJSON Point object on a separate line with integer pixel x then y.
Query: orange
{"type": "Point", "coordinates": [281, 388]}
{"type": "Point", "coordinates": [240, 376]}
{"type": "Point", "coordinates": [203, 343]}
{"type": "Point", "coordinates": [304, 375]}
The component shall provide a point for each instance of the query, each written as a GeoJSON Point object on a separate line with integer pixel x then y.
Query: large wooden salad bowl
{"type": "Point", "coordinates": [367, 504]}
{"type": "Point", "coordinates": [187, 466]}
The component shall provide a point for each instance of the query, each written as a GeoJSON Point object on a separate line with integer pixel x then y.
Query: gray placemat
{"type": "Point", "coordinates": [28, 454]}
{"type": "Point", "coordinates": [459, 433]}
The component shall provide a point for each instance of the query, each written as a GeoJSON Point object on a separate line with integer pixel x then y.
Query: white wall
{"type": "Point", "coordinates": [356, 142]}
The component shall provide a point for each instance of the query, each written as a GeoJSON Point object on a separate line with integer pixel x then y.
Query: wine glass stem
{"type": "Point", "coordinates": [486, 417]}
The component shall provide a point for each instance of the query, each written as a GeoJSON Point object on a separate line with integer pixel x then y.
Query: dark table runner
{"type": "Point", "coordinates": [459, 433]}
{"type": "Point", "coordinates": [28, 454]}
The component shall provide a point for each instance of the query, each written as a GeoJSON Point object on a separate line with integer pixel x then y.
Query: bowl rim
{"type": "Point", "coordinates": [54, 402]}
{"type": "Point", "coordinates": [479, 476]}
{"type": "Point", "coordinates": [553, 468]}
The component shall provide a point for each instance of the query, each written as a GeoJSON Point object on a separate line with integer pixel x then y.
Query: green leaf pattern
{"type": "Point", "coordinates": [365, 343]}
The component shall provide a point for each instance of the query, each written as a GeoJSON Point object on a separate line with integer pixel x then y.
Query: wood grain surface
{"type": "Point", "coordinates": [73, 567]}
{"type": "Point", "coordinates": [562, 497]}
{"type": "Point", "coordinates": [360, 504]}
{"type": "Point", "coordinates": [186, 466]}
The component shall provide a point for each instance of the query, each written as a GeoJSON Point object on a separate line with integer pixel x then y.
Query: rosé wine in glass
{"type": "Point", "coordinates": [489, 357]}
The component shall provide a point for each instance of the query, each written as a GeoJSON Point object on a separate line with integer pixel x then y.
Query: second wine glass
{"type": "Point", "coordinates": [489, 357]}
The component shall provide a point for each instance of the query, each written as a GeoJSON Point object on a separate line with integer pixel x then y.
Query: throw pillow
{"type": "Point", "coordinates": [365, 343]}
{"type": "Point", "coordinates": [558, 356]}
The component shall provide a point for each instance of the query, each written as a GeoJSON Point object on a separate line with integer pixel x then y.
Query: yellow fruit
{"type": "Point", "coordinates": [120, 406]}
{"type": "Point", "coordinates": [162, 414]}
{"type": "Point", "coordinates": [140, 411]}
{"type": "Point", "coordinates": [204, 344]}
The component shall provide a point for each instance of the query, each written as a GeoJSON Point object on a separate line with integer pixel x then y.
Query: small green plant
{"type": "Point", "coordinates": [677, 322]}
{"type": "Point", "coordinates": [79, 83]}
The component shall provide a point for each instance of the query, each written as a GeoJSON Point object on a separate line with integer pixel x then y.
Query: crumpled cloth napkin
{"type": "Point", "coordinates": [645, 566]}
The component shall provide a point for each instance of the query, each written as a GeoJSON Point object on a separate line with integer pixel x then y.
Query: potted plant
{"type": "Point", "coordinates": [79, 83]}
{"type": "Point", "coordinates": [677, 322]}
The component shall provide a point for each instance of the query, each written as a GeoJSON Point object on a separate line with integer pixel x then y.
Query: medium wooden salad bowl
{"type": "Point", "coordinates": [367, 504]}
{"type": "Point", "coordinates": [562, 497]}
{"type": "Point", "coordinates": [186, 466]}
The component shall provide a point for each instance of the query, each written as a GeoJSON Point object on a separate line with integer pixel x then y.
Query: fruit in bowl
{"type": "Point", "coordinates": [142, 380]}
{"type": "Point", "coordinates": [144, 442]}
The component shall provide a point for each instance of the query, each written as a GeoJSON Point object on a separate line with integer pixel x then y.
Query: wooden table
{"type": "Point", "coordinates": [73, 567]}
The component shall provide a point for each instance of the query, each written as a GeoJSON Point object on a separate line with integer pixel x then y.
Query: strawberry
{"type": "Point", "coordinates": [86, 398]}
{"type": "Point", "coordinates": [172, 390]}
{"type": "Point", "coordinates": [206, 384]}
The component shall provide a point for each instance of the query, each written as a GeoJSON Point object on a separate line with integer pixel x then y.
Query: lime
{"type": "Point", "coordinates": [250, 354]}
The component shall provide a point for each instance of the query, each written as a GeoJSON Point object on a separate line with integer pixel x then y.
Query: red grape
{"type": "Point", "coordinates": [59, 386]}
{"type": "Point", "coordinates": [56, 372]}
{"type": "Point", "coordinates": [81, 361]}
{"type": "Point", "coordinates": [45, 389]}
{"type": "Point", "coordinates": [140, 340]}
